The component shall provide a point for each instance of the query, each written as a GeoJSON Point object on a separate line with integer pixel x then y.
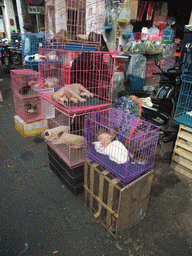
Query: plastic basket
{"type": "Point", "coordinates": [135, 83]}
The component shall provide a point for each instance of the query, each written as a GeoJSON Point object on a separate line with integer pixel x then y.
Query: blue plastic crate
{"type": "Point", "coordinates": [72, 47]}
{"type": "Point", "coordinates": [31, 65]}
{"type": "Point", "coordinates": [183, 113]}
{"type": "Point", "coordinates": [37, 40]}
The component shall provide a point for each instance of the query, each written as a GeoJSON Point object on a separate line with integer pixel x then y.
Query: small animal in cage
{"type": "Point", "coordinates": [72, 92]}
{"type": "Point", "coordinates": [30, 108]}
{"type": "Point", "coordinates": [50, 82]}
{"type": "Point", "coordinates": [54, 133]}
{"type": "Point", "coordinates": [139, 150]}
{"type": "Point", "coordinates": [105, 136]}
{"type": "Point", "coordinates": [25, 90]}
{"type": "Point", "coordinates": [61, 36]}
{"type": "Point", "coordinates": [108, 144]}
{"type": "Point", "coordinates": [61, 135]}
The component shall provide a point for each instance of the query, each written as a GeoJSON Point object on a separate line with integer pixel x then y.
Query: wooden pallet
{"type": "Point", "coordinates": [182, 154]}
{"type": "Point", "coordinates": [116, 205]}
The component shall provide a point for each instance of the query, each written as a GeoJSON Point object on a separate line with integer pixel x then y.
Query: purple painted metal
{"type": "Point", "coordinates": [135, 145]}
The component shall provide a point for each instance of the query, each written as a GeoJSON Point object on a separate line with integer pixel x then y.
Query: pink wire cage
{"type": "Point", "coordinates": [23, 82]}
{"type": "Point", "coordinates": [65, 135]}
{"type": "Point", "coordinates": [29, 109]}
{"type": "Point", "coordinates": [27, 99]}
{"type": "Point", "coordinates": [91, 71]}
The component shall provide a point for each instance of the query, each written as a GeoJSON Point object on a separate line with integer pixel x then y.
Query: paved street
{"type": "Point", "coordinates": [41, 217]}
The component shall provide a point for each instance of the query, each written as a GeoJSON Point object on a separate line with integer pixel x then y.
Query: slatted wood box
{"type": "Point", "coordinates": [182, 154]}
{"type": "Point", "coordinates": [118, 206]}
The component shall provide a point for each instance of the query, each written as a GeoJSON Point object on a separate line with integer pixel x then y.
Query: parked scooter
{"type": "Point", "coordinates": [16, 53]}
{"type": "Point", "coordinates": [161, 112]}
{"type": "Point", "coordinates": [6, 58]}
{"type": "Point", "coordinates": [11, 55]}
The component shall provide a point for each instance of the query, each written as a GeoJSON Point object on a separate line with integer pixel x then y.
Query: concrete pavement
{"type": "Point", "coordinates": [41, 217]}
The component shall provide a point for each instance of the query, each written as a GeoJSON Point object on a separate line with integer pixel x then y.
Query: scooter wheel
{"type": "Point", "coordinates": [16, 60]}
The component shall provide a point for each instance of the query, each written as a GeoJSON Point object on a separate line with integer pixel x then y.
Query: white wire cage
{"type": "Point", "coordinates": [74, 21]}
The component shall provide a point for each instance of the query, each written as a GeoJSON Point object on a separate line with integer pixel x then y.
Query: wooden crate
{"type": "Point", "coordinates": [182, 154]}
{"type": "Point", "coordinates": [118, 206]}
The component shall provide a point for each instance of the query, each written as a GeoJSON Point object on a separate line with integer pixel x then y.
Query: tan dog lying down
{"type": "Point", "coordinates": [53, 134]}
{"type": "Point", "coordinates": [71, 92]}
{"type": "Point", "coordinates": [60, 135]}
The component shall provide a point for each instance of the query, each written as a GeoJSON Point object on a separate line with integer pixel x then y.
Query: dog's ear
{"type": "Point", "coordinates": [60, 134]}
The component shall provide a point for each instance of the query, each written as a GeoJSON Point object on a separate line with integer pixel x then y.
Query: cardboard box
{"type": "Point", "coordinates": [30, 129]}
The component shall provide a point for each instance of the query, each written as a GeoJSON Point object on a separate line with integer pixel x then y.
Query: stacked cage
{"type": "Point", "coordinates": [82, 83]}
{"type": "Point", "coordinates": [72, 24]}
{"type": "Point", "coordinates": [26, 96]}
{"type": "Point", "coordinates": [31, 42]}
{"type": "Point", "coordinates": [81, 79]}
{"type": "Point", "coordinates": [122, 144]}
{"type": "Point", "coordinates": [183, 113]}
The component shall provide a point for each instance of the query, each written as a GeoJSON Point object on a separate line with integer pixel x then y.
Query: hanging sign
{"type": "Point", "coordinates": [35, 2]}
{"type": "Point", "coordinates": [11, 22]}
{"type": "Point", "coordinates": [36, 9]}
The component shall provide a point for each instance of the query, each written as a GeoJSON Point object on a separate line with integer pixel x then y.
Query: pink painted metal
{"type": "Point", "coordinates": [68, 148]}
{"type": "Point", "coordinates": [122, 144]}
{"type": "Point", "coordinates": [91, 70]}
{"type": "Point", "coordinates": [29, 109]}
{"type": "Point", "coordinates": [24, 82]}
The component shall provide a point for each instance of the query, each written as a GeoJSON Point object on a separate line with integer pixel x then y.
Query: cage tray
{"type": "Point", "coordinates": [89, 105]}
{"type": "Point", "coordinates": [184, 119]}
{"type": "Point", "coordinates": [119, 169]}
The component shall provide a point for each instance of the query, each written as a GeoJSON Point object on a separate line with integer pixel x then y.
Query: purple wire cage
{"type": "Point", "coordinates": [123, 144]}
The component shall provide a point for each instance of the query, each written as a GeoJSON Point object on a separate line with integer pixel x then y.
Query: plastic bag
{"type": "Point", "coordinates": [125, 15]}
{"type": "Point", "coordinates": [118, 83]}
{"type": "Point", "coordinates": [137, 65]}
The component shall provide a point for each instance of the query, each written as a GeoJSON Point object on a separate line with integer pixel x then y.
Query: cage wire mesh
{"type": "Point", "coordinates": [31, 64]}
{"type": "Point", "coordinates": [72, 21]}
{"type": "Point", "coordinates": [83, 79]}
{"type": "Point", "coordinates": [65, 135]}
{"type": "Point", "coordinates": [121, 143]}
{"type": "Point", "coordinates": [183, 112]}
{"type": "Point", "coordinates": [30, 43]}
{"type": "Point", "coordinates": [23, 82]}
{"type": "Point", "coordinates": [29, 109]}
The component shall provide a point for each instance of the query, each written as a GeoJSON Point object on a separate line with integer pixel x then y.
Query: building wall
{"type": "Point", "coordinates": [8, 13]}
{"type": "Point", "coordinates": [21, 10]}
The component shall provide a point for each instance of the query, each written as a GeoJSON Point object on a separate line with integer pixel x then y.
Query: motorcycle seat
{"type": "Point", "coordinates": [155, 111]}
